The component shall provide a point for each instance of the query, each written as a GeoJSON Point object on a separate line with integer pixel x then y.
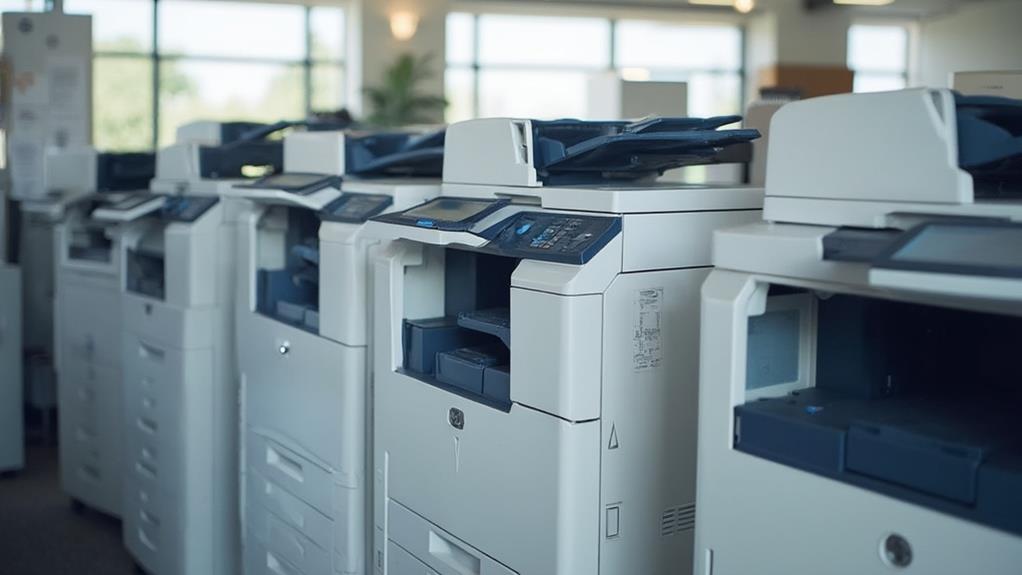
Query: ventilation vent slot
{"type": "Point", "coordinates": [678, 519]}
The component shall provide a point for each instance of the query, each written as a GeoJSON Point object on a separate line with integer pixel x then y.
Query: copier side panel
{"type": "Point", "coordinates": [841, 527]}
{"type": "Point", "coordinates": [650, 384]}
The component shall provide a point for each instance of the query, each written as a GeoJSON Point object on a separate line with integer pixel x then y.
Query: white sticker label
{"type": "Point", "coordinates": [647, 349]}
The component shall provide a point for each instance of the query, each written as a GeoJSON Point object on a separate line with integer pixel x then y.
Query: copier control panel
{"type": "Point", "coordinates": [187, 208]}
{"type": "Point", "coordinates": [549, 236]}
{"type": "Point", "coordinates": [565, 238]}
{"type": "Point", "coordinates": [355, 208]}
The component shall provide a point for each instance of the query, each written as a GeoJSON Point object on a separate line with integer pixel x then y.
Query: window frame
{"type": "Point", "coordinates": [906, 73]}
{"type": "Point", "coordinates": [307, 63]}
{"type": "Point", "coordinates": [613, 15]}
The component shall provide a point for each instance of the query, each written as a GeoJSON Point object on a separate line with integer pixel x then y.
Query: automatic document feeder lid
{"type": "Point", "coordinates": [394, 154]}
{"type": "Point", "coordinates": [574, 151]}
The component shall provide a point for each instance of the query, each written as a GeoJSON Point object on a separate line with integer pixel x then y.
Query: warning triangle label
{"type": "Point", "coordinates": [613, 444]}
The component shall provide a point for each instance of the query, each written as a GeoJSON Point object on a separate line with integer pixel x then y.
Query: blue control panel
{"type": "Point", "coordinates": [187, 208]}
{"type": "Point", "coordinates": [355, 208]}
{"type": "Point", "coordinates": [563, 238]}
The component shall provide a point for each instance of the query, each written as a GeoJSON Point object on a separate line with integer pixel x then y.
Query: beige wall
{"type": "Point", "coordinates": [986, 36]}
{"type": "Point", "coordinates": [369, 36]}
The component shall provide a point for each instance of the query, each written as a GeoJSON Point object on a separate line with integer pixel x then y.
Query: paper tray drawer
{"type": "Point", "coordinates": [295, 474]}
{"type": "Point", "coordinates": [282, 541]}
{"type": "Point", "coordinates": [298, 514]}
{"type": "Point", "coordinates": [401, 562]}
{"type": "Point", "coordinates": [436, 548]}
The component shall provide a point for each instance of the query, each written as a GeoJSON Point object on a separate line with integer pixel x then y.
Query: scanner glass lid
{"type": "Point", "coordinates": [450, 209]}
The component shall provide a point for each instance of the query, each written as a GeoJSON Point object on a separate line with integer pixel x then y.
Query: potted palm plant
{"type": "Point", "coordinates": [399, 101]}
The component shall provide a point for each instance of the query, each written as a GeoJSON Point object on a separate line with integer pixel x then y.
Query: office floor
{"type": "Point", "coordinates": [40, 534]}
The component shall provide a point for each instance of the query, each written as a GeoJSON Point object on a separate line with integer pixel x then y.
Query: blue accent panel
{"type": "Point", "coordinates": [917, 461]}
{"type": "Point", "coordinates": [283, 298]}
{"type": "Point", "coordinates": [495, 322]}
{"type": "Point", "coordinates": [562, 238]}
{"type": "Point", "coordinates": [990, 144]}
{"type": "Point", "coordinates": [465, 367]}
{"type": "Point", "coordinates": [917, 452]}
{"type": "Point", "coordinates": [811, 441]}
{"type": "Point", "coordinates": [497, 383]}
{"type": "Point", "coordinates": [120, 172]}
{"type": "Point", "coordinates": [423, 339]}
{"type": "Point", "coordinates": [772, 356]}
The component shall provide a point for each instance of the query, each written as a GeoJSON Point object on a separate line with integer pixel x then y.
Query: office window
{"type": "Point", "coordinates": [707, 57]}
{"type": "Point", "coordinates": [878, 54]}
{"type": "Point", "coordinates": [158, 65]}
{"type": "Point", "coordinates": [497, 66]}
{"type": "Point", "coordinates": [531, 66]}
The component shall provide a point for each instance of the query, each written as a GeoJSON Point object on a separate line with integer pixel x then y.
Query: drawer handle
{"type": "Point", "coordinates": [147, 425]}
{"type": "Point", "coordinates": [285, 507]}
{"type": "Point", "coordinates": [147, 470]}
{"type": "Point", "coordinates": [145, 539]}
{"type": "Point", "coordinates": [274, 564]}
{"type": "Point", "coordinates": [286, 465]}
{"type": "Point", "coordinates": [453, 555]}
{"type": "Point", "coordinates": [149, 518]}
{"type": "Point", "coordinates": [84, 434]}
{"type": "Point", "coordinates": [146, 351]}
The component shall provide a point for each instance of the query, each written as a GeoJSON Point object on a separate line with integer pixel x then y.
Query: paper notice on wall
{"type": "Point", "coordinates": [647, 345]}
{"type": "Point", "coordinates": [25, 164]}
{"type": "Point", "coordinates": [67, 81]}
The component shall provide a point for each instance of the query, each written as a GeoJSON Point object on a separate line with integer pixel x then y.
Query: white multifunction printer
{"type": "Point", "coordinates": [180, 382]}
{"type": "Point", "coordinates": [535, 345]}
{"type": "Point", "coordinates": [89, 275]}
{"type": "Point", "coordinates": [859, 401]}
{"type": "Point", "coordinates": [302, 310]}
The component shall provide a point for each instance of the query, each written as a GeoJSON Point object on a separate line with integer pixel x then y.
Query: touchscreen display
{"type": "Point", "coordinates": [449, 210]}
{"type": "Point", "coordinates": [132, 202]}
{"type": "Point", "coordinates": [291, 181]}
{"type": "Point", "coordinates": [971, 246]}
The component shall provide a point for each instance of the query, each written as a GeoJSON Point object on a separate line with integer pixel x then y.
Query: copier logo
{"type": "Point", "coordinates": [457, 418]}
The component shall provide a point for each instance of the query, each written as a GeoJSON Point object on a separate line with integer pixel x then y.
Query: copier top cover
{"type": "Point", "coordinates": [575, 151]}
{"type": "Point", "coordinates": [388, 154]}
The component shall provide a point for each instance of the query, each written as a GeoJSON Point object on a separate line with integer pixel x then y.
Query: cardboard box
{"type": "Point", "coordinates": [811, 81]}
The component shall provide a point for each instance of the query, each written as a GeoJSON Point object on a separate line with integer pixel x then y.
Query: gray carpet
{"type": "Point", "coordinates": [40, 534]}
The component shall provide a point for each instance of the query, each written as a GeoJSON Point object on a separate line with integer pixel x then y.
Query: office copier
{"type": "Point", "coordinates": [89, 274]}
{"type": "Point", "coordinates": [859, 400]}
{"type": "Point", "coordinates": [181, 397]}
{"type": "Point", "coordinates": [535, 337]}
{"type": "Point", "coordinates": [301, 316]}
